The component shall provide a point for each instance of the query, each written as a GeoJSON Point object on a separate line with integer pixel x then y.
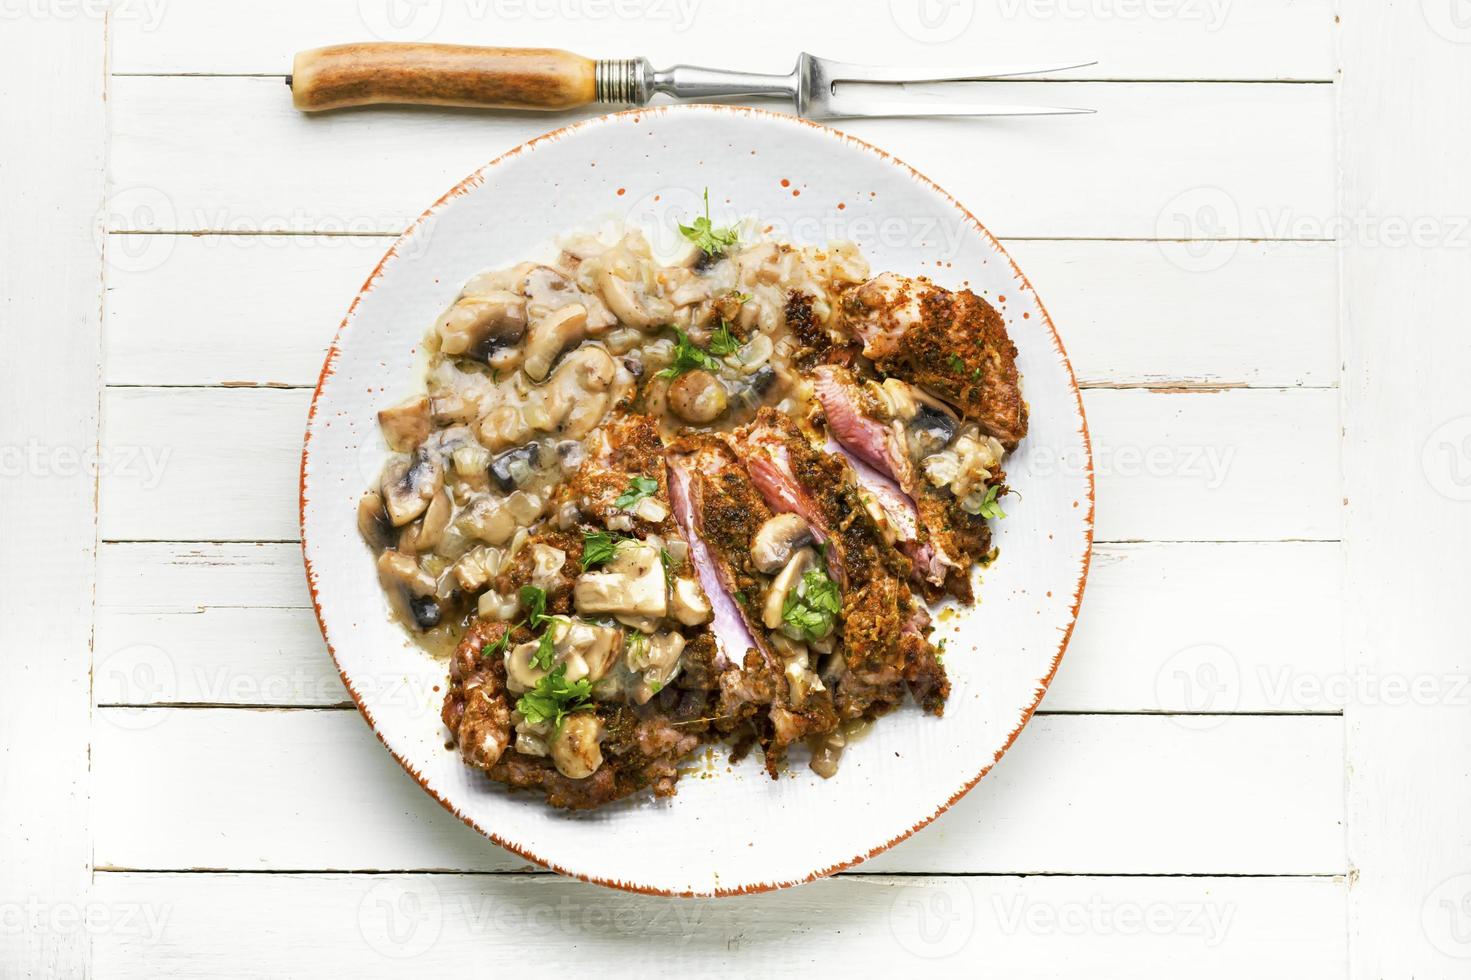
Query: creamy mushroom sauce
{"type": "Point", "coordinates": [522, 369]}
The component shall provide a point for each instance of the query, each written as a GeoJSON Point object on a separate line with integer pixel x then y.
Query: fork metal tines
{"type": "Point", "coordinates": [818, 88]}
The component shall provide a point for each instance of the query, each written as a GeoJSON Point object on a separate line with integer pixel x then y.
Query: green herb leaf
{"type": "Point", "coordinates": [546, 651]}
{"type": "Point", "coordinates": [990, 509]}
{"type": "Point", "coordinates": [723, 343]}
{"type": "Point", "coordinates": [712, 240]}
{"type": "Point", "coordinates": [498, 648]}
{"type": "Point", "coordinates": [599, 548]}
{"type": "Point", "coordinates": [956, 362]}
{"type": "Point", "coordinates": [812, 606]}
{"type": "Point", "coordinates": [638, 488]}
{"type": "Point", "coordinates": [535, 601]}
{"type": "Point", "coordinates": [667, 560]}
{"type": "Point", "coordinates": [655, 687]}
{"type": "Point", "coordinates": [687, 357]}
{"type": "Point", "coordinates": [553, 698]}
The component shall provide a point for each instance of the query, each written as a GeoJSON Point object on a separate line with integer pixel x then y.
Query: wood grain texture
{"type": "Point", "coordinates": [1167, 627]}
{"type": "Point", "coordinates": [345, 75]}
{"type": "Point", "coordinates": [314, 790]}
{"type": "Point", "coordinates": [1407, 484]}
{"type": "Point", "coordinates": [50, 305]}
{"type": "Point", "coordinates": [1065, 928]}
{"type": "Point", "coordinates": [1244, 39]}
{"type": "Point", "coordinates": [221, 464]}
{"type": "Point", "coordinates": [1128, 314]}
{"type": "Point", "coordinates": [1163, 160]}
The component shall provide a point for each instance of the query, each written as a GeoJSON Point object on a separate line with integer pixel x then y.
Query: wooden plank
{"type": "Point", "coordinates": [1166, 627]}
{"type": "Point", "coordinates": [51, 192]}
{"type": "Point", "coordinates": [1207, 628]}
{"type": "Point", "coordinates": [1229, 465]}
{"type": "Point", "coordinates": [1407, 483]}
{"type": "Point", "coordinates": [213, 788]}
{"type": "Point", "coordinates": [1162, 160]}
{"type": "Point", "coordinates": [1249, 40]}
{"type": "Point", "coordinates": [257, 309]}
{"type": "Point", "coordinates": [221, 464]}
{"type": "Point", "coordinates": [1065, 928]}
{"type": "Point", "coordinates": [226, 309]}
{"type": "Point", "coordinates": [213, 624]}
{"type": "Point", "coordinates": [1133, 313]}
{"type": "Point", "coordinates": [206, 464]}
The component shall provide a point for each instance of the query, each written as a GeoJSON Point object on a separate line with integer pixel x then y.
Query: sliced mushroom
{"type": "Point", "coordinates": [515, 467]}
{"type": "Point", "coordinates": [521, 673]}
{"type": "Point", "coordinates": [632, 585]}
{"type": "Point", "coordinates": [486, 328]}
{"type": "Point", "coordinates": [827, 752]}
{"type": "Point", "coordinates": [578, 394]}
{"type": "Point", "coordinates": [775, 541]}
{"type": "Point", "coordinates": [410, 589]}
{"type": "Point", "coordinates": [493, 605]}
{"type": "Point", "coordinates": [421, 538]}
{"type": "Point", "coordinates": [532, 739]}
{"type": "Point", "coordinates": [622, 298]}
{"type": "Point", "coordinates": [546, 289]}
{"type": "Point", "coordinates": [551, 335]}
{"type": "Point", "coordinates": [587, 649]}
{"type": "Point", "coordinates": [687, 602]}
{"type": "Point", "coordinates": [409, 484]}
{"type": "Point", "coordinates": [575, 749]}
{"type": "Point", "coordinates": [664, 651]}
{"type": "Point", "coordinates": [406, 424]}
{"type": "Point", "coordinates": [801, 562]}
{"type": "Point", "coordinates": [930, 430]}
{"type": "Point", "coordinates": [373, 522]}
{"type": "Point", "coordinates": [757, 390]}
{"type": "Point", "coordinates": [698, 397]}
{"type": "Point", "coordinates": [503, 426]}
{"type": "Point", "coordinates": [546, 566]}
{"type": "Point", "coordinates": [476, 568]}
{"type": "Point", "coordinates": [489, 520]}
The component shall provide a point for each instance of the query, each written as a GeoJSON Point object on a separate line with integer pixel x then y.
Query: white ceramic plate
{"type": "Point", "coordinates": [730, 829]}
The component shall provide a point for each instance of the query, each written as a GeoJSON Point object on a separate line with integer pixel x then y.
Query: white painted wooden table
{"type": "Point", "coordinates": [1253, 762]}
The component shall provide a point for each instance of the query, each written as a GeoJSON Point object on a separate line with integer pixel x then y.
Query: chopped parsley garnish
{"type": "Point", "coordinates": [687, 357]}
{"type": "Point", "coordinates": [809, 609]}
{"type": "Point", "coordinates": [712, 240]}
{"type": "Point", "coordinates": [740, 596]}
{"type": "Point", "coordinates": [723, 343]}
{"type": "Point", "coordinates": [498, 648]}
{"type": "Point", "coordinates": [599, 548]}
{"type": "Point", "coordinates": [655, 687]}
{"type": "Point", "coordinates": [990, 508]}
{"type": "Point", "coordinates": [546, 651]}
{"type": "Point", "coordinates": [957, 363]}
{"type": "Point", "coordinates": [553, 698]}
{"type": "Point", "coordinates": [535, 601]}
{"type": "Point", "coordinates": [638, 488]}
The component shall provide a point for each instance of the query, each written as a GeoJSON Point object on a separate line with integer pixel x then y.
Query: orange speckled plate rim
{"type": "Point", "coordinates": [479, 177]}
